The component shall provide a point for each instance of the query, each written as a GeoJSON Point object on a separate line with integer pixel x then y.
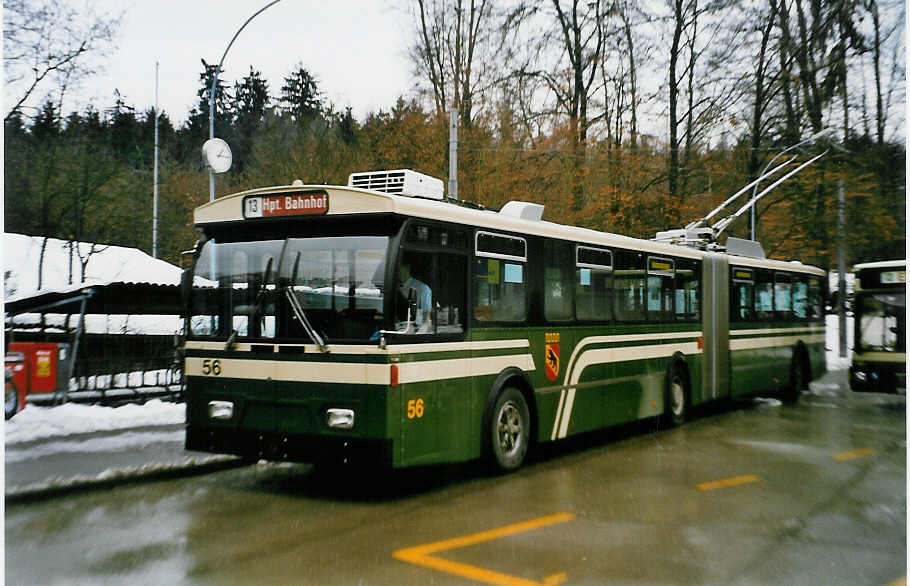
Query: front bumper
{"type": "Point", "coordinates": [260, 445]}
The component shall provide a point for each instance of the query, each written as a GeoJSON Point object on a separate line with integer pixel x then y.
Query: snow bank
{"type": "Point", "coordinates": [106, 264]}
{"type": "Point", "coordinates": [832, 343]}
{"type": "Point", "coordinates": [35, 423]}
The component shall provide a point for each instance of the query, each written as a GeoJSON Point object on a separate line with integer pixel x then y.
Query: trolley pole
{"type": "Point", "coordinates": [453, 153]}
{"type": "Point", "coordinates": [842, 276]}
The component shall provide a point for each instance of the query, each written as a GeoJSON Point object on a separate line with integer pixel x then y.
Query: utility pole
{"type": "Point", "coordinates": [453, 153]}
{"type": "Point", "coordinates": [841, 268]}
{"type": "Point", "coordinates": [155, 182]}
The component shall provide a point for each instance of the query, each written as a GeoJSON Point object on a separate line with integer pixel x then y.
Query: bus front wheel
{"type": "Point", "coordinates": [508, 430]}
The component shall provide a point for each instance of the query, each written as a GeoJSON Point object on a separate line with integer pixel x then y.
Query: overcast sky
{"type": "Point", "coordinates": [355, 48]}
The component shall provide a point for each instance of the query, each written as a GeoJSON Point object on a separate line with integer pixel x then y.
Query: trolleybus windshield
{"type": "Point", "coordinates": [243, 288]}
{"type": "Point", "coordinates": [882, 323]}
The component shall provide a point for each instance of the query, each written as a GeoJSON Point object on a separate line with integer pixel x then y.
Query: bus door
{"type": "Point", "coordinates": [430, 307]}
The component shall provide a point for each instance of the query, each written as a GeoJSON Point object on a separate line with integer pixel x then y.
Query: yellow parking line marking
{"type": "Point", "coordinates": [421, 554]}
{"type": "Point", "coordinates": [727, 482]}
{"type": "Point", "coordinates": [853, 454]}
{"type": "Point", "coordinates": [899, 582]}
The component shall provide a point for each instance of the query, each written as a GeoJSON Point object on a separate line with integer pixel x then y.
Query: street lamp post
{"type": "Point", "coordinates": [814, 137]}
{"type": "Point", "coordinates": [214, 87]}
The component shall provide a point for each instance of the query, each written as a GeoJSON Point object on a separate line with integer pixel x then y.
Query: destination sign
{"type": "Point", "coordinates": [742, 275]}
{"type": "Point", "coordinates": [660, 266]}
{"type": "Point", "coordinates": [293, 204]}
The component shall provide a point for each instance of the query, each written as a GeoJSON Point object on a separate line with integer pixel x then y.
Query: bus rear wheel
{"type": "Point", "coordinates": [508, 430]}
{"type": "Point", "coordinates": [676, 398]}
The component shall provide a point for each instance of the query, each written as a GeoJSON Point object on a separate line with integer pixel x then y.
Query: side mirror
{"type": "Point", "coordinates": [186, 287]}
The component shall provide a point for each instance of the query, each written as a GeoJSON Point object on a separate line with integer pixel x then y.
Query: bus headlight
{"type": "Point", "coordinates": [860, 376]}
{"type": "Point", "coordinates": [221, 409]}
{"type": "Point", "coordinates": [340, 418]}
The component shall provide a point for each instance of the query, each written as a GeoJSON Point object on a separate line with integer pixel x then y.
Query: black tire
{"type": "Point", "coordinates": [797, 381]}
{"type": "Point", "coordinates": [508, 431]}
{"type": "Point", "coordinates": [676, 397]}
{"type": "Point", "coordinates": [11, 400]}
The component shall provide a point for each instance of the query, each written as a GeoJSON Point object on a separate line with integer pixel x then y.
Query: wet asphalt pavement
{"type": "Point", "coordinates": [760, 493]}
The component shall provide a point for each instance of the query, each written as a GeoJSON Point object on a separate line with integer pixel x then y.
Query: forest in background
{"type": "Point", "coordinates": [614, 116]}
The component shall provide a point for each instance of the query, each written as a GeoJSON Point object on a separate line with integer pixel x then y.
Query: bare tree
{"type": "Point", "coordinates": [50, 44]}
{"type": "Point", "coordinates": [451, 49]}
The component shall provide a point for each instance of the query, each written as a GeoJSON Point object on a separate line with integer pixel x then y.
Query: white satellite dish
{"type": "Point", "coordinates": [217, 155]}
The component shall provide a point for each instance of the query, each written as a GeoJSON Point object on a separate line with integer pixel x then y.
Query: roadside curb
{"type": "Point", "coordinates": [109, 479]}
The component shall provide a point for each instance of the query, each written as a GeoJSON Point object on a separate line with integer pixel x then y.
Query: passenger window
{"type": "Point", "coordinates": [764, 295]}
{"type": "Point", "coordinates": [500, 278]}
{"type": "Point", "coordinates": [660, 288]}
{"type": "Point", "coordinates": [629, 286]}
{"type": "Point", "coordinates": [800, 298]}
{"type": "Point", "coordinates": [742, 295]}
{"type": "Point", "coordinates": [783, 300]}
{"type": "Point", "coordinates": [593, 284]}
{"type": "Point", "coordinates": [687, 302]}
{"type": "Point", "coordinates": [557, 294]}
{"type": "Point", "coordinates": [815, 298]}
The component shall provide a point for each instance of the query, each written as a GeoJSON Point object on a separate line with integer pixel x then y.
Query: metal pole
{"type": "Point", "coordinates": [155, 196]}
{"type": "Point", "coordinates": [842, 275]}
{"type": "Point", "coordinates": [453, 154]}
{"type": "Point", "coordinates": [215, 86]}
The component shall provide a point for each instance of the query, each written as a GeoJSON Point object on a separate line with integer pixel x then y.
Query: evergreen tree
{"type": "Point", "coordinates": [300, 97]}
{"type": "Point", "coordinates": [251, 102]}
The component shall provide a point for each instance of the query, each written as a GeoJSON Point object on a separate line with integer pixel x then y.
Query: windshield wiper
{"type": "Point", "coordinates": [302, 318]}
{"type": "Point", "coordinates": [256, 308]}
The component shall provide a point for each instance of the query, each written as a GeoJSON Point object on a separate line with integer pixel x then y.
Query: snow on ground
{"type": "Point", "coordinates": [95, 445]}
{"type": "Point", "coordinates": [36, 423]}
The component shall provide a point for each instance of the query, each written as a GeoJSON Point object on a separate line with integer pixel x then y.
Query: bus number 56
{"type": "Point", "coordinates": [415, 408]}
{"type": "Point", "coordinates": [211, 367]}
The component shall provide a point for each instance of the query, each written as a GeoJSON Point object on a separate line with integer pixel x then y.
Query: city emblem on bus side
{"type": "Point", "coordinates": [551, 355]}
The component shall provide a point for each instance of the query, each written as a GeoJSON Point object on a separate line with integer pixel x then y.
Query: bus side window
{"type": "Point", "coordinates": [593, 284]}
{"type": "Point", "coordinates": [500, 291]}
{"type": "Point", "coordinates": [686, 283]}
{"type": "Point", "coordinates": [557, 291]}
{"type": "Point", "coordinates": [742, 294]}
{"type": "Point", "coordinates": [629, 285]}
{"type": "Point", "coordinates": [800, 298]}
{"type": "Point", "coordinates": [815, 298]}
{"type": "Point", "coordinates": [783, 297]}
{"type": "Point", "coordinates": [660, 288]}
{"type": "Point", "coordinates": [764, 295]}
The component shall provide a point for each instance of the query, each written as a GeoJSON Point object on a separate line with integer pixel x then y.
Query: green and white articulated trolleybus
{"type": "Point", "coordinates": [384, 323]}
{"type": "Point", "coordinates": [879, 362]}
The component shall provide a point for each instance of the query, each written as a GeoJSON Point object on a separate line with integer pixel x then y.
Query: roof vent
{"type": "Point", "coordinates": [523, 210]}
{"type": "Point", "coordinates": [743, 247]}
{"type": "Point", "coordinates": [400, 182]}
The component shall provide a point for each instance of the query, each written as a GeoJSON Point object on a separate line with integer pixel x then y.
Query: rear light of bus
{"type": "Point", "coordinates": [221, 409]}
{"type": "Point", "coordinates": [340, 418]}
